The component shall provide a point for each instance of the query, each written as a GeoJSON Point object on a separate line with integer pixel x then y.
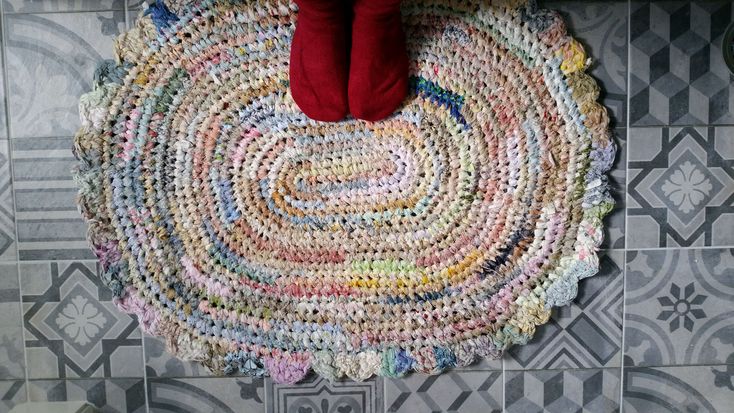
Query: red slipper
{"type": "Point", "coordinates": [378, 74]}
{"type": "Point", "coordinates": [320, 59]}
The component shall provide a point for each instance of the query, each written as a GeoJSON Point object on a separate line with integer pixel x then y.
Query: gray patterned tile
{"type": "Point", "coordinates": [316, 394]}
{"type": "Point", "coordinates": [108, 395]}
{"type": "Point", "coordinates": [592, 391]}
{"type": "Point", "coordinates": [72, 327]}
{"type": "Point", "coordinates": [602, 28]}
{"type": "Point", "coordinates": [12, 358]}
{"type": "Point", "coordinates": [681, 187]}
{"type": "Point", "coordinates": [48, 220]}
{"type": "Point", "coordinates": [160, 363]}
{"type": "Point", "coordinates": [677, 71]}
{"type": "Point", "coordinates": [12, 393]}
{"type": "Point", "coordinates": [679, 307]}
{"type": "Point", "coordinates": [701, 389]}
{"type": "Point", "coordinates": [37, 6]}
{"type": "Point", "coordinates": [206, 395]}
{"type": "Point", "coordinates": [587, 333]}
{"type": "Point", "coordinates": [51, 59]}
{"type": "Point", "coordinates": [7, 216]}
{"type": "Point", "coordinates": [452, 391]}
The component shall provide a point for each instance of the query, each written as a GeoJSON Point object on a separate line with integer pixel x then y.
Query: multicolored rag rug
{"type": "Point", "coordinates": [256, 240]}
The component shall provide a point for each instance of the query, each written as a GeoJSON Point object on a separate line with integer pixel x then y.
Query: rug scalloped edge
{"type": "Point", "coordinates": [560, 288]}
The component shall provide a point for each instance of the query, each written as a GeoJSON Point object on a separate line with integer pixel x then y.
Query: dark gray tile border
{"type": "Point", "coordinates": [12, 393]}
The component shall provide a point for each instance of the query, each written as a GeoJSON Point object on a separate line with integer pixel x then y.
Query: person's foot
{"type": "Point", "coordinates": [319, 64]}
{"type": "Point", "coordinates": [378, 74]}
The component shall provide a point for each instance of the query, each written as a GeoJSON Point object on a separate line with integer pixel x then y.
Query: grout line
{"type": "Point", "coordinates": [127, 20]}
{"type": "Point", "coordinates": [8, 129]}
{"type": "Point", "coordinates": [504, 399]}
{"type": "Point", "coordinates": [145, 361]}
{"type": "Point", "coordinates": [664, 126]}
{"type": "Point", "coordinates": [626, 207]}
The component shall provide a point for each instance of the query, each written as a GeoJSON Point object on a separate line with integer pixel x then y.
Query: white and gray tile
{"type": "Point", "coordinates": [701, 389]}
{"type": "Point", "coordinates": [7, 215]}
{"type": "Point", "coordinates": [561, 391]}
{"type": "Point", "coordinates": [206, 395]}
{"type": "Point", "coordinates": [108, 395]}
{"type": "Point", "coordinates": [12, 357]}
{"type": "Point", "coordinates": [316, 394]}
{"type": "Point", "coordinates": [43, 6]}
{"type": "Point", "coordinates": [681, 187]}
{"type": "Point", "coordinates": [677, 71]}
{"type": "Point", "coordinates": [72, 327]}
{"type": "Point", "coordinates": [452, 391]}
{"type": "Point", "coordinates": [679, 307]}
{"type": "Point", "coordinates": [12, 393]}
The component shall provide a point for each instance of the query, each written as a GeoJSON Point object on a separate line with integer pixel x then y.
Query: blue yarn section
{"type": "Point", "coordinates": [161, 15]}
{"type": "Point", "coordinates": [440, 96]}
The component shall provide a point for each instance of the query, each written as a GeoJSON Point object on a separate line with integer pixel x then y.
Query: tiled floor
{"type": "Point", "coordinates": [654, 332]}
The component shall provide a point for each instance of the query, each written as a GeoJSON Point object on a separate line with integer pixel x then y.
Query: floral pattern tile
{"type": "Point", "coordinates": [316, 395]}
{"type": "Point", "coordinates": [454, 391]}
{"type": "Point", "coordinates": [206, 395]}
{"type": "Point", "coordinates": [681, 187]}
{"type": "Point", "coordinates": [587, 333]}
{"type": "Point", "coordinates": [72, 327]}
{"type": "Point", "coordinates": [108, 395]}
{"type": "Point", "coordinates": [701, 389]}
{"type": "Point", "coordinates": [679, 307]}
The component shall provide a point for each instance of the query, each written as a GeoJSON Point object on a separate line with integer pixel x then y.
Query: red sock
{"type": "Point", "coordinates": [378, 74]}
{"type": "Point", "coordinates": [320, 59]}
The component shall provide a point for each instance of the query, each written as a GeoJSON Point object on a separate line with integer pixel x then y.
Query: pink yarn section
{"type": "Point", "coordinates": [132, 303]}
{"type": "Point", "coordinates": [287, 368]}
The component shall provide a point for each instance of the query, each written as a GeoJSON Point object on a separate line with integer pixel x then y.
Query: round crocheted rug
{"type": "Point", "coordinates": [253, 239]}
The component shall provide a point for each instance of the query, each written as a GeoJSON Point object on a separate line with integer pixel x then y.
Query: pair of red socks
{"type": "Point", "coordinates": [348, 57]}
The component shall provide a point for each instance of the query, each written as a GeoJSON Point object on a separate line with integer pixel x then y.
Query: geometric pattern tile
{"type": "Point", "coordinates": [315, 394]}
{"type": "Point", "coordinates": [454, 391]}
{"type": "Point", "coordinates": [681, 188]}
{"type": "Point", "coordinates": [12, 358]}
{"type": "Point", "coordinates": [108, 395]}
{"type": "Point", "coordinates": [592, 391]}
{"type": "Point", "coordinates": [701, 389]}
{"type": "Point", "coordinates": [50, 62]}
{"type": "Point", "coordinates": [49, 224]}
{"type": "Point", "coordinates": [72, 327]}
{"type": "Point", "coordinates": [602, 28]}
{"type": "Point", "coordinates": [7, 220]}
{"type": "Point", "coordinates": [209, 395]}
{"type": "Point", "coordinates": [12, 393]}
{"type": "Point", "coordinates": [160, 363]}
{"type": "Point", "coordinates": [35, 6]}
{"type": "Point", "coordinates": [585, 334]}
{"type": "Point", "coordinates": [679, 307]}
{"type": "Point", "coordinates": [677, 71]}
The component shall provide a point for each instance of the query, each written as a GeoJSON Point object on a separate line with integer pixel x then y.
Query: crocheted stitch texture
{"type": "Point", "coordinates": [256, 240]}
